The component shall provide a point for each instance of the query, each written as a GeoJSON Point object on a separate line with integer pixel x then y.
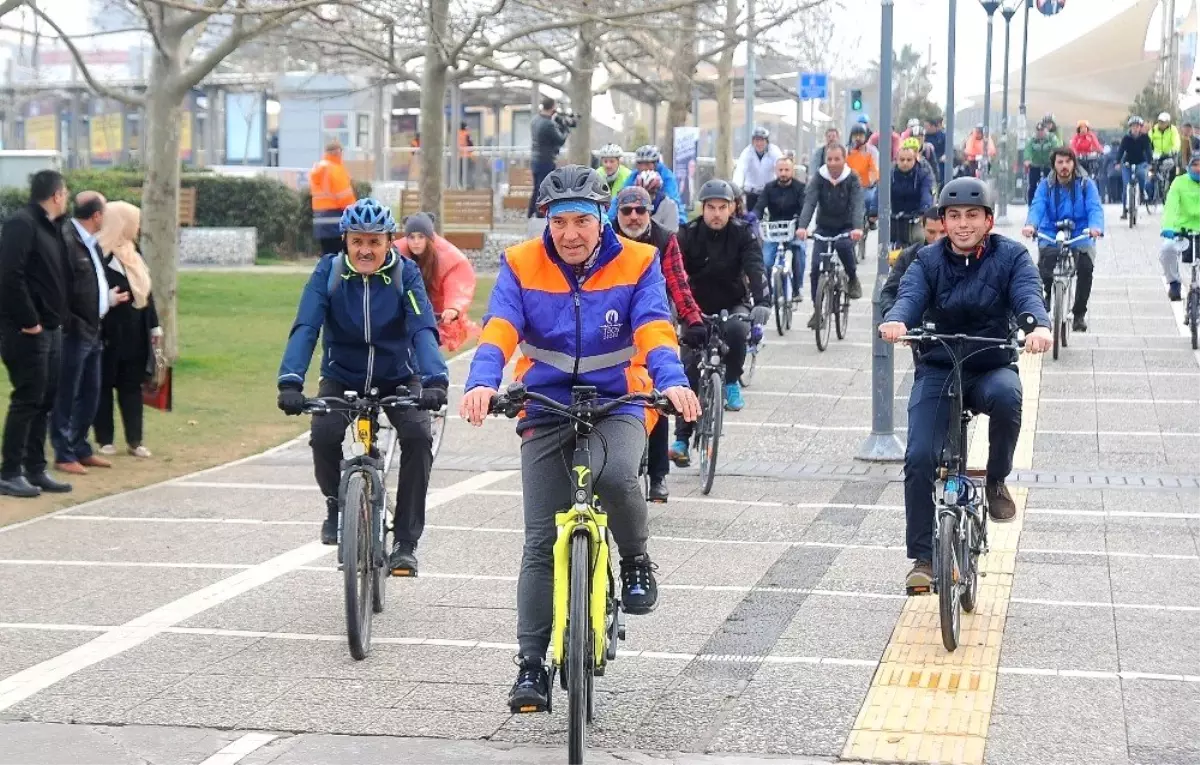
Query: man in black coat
{"type": "Point", "coordinates": [548, 132]}
{"type": "Point", "coordinates": [82, 348]}
{"type": "Point", "coordinates": [35, 283]}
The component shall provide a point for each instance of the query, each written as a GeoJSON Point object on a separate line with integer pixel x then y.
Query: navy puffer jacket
{"type": "Point", "coordinates": [973, 295]}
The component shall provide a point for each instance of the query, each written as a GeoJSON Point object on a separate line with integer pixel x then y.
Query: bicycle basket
{"type": "Point", "coordinates": [781, 231]}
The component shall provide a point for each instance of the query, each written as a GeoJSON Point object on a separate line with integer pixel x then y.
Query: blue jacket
{"type": "Point", "coordinates": [612, 329]}
{"type": "Point", "coordinates": [912, 192]}
{"type": "Point", "coordinates": [1079, 203]}
{"type": "Point", "coordinates": [374, 331]}
{"type": "Point", "coordinates": [974, 295]}
{"type": "Point", "coordinates": [670, 187]}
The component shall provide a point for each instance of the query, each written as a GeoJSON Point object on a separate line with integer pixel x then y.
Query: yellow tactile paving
{"type": "Point", "coordinates": [925, 704]}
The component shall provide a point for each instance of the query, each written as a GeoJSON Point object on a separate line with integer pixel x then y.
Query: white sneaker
{"type": "Point", "coordinates": [140, 451]}
{"type": "Point", "coordinates": [108, 449]}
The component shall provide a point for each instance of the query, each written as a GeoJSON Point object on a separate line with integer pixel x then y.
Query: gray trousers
{"type": "Point", "coordinates": [546, 483]}
{"type": "Point", "coordinates": [1170, 257]}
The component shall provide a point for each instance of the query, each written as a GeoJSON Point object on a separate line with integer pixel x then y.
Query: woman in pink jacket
{"type": "Point", "coordinates": [1084, 141]}
{"type": "Point", "coordinates": [449, 278]}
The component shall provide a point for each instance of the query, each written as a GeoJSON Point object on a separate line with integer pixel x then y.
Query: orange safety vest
{"type": "Point", "coordinates": [330, 185]}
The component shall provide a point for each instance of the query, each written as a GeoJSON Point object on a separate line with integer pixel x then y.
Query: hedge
{"type": "Point", "coordinates": [282, 216]}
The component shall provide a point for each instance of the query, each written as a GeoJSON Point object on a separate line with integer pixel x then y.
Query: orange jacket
{"type": "Point", "coordinates": [864, 162]}
{"type": "Point", "coordinates": [332, 192]}
{"type": "Point", "coordinates": [464, 143]}
{"type": "Point", "coordinates": [973, 148]}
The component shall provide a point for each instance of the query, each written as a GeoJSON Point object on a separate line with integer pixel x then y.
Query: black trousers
{"type": "Point", "coordinates": [1048, 256]}
{"type": "Point", "coordinates": [540, 171]}
{"type": "Point", "coordinates": [659, 464]}
{"type": "Point", "coordinates": [125, 376]}
{"type": "Point", "coordinates": [735, 333]}
{"type": "Point", "coordinates": [33, 363]}
{"type": "Point", "coordinates": [416, 458]}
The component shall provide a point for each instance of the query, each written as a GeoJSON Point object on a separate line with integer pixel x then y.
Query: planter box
{"type": "Point", "coordinates": [218, 246]}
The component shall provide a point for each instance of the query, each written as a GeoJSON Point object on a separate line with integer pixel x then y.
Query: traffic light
{"type": "Point", "coordinates": [856, 102]}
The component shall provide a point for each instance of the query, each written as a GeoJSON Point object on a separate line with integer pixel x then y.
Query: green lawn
{"type": "Point", "coordinates": [233, 328]}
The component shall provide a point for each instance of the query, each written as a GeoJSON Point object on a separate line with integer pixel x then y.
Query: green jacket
{"type": "Point", "coordinates": [1037, 151]}
{"type": "Point", "coordinates": [1164, 141]}
{"type": "Point", "coordinates": [1182, 211]}
{"type": "Point", "coordinates": [623, 178]}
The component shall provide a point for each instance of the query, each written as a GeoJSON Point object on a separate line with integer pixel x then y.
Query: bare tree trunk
{"type": "Point", "coordinates": [160, 193]}
{"type": "Point", "coordinates": [683, 75]}
{"type": "Point", "coordinates": [433, 119]}
{"type": "Point", "coordinates": [724, 152]}
{"type": "Point", "coordinates": [580, 90]}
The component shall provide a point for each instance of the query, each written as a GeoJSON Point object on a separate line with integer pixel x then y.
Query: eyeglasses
{"type": "Point", "coordinates": [639, 210]}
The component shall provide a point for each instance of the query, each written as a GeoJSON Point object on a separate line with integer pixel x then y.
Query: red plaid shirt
{"type": "Point", "coordinates": [677, 284]}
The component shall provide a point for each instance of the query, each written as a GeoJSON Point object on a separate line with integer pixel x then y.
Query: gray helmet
{"type": "Point", "coordinates": [573, 182]}
{"type": "Point", "coordinates": [716, 189]}
{"type": "Point", "coordinates": [647, 153]}
{"type": "Point", "coordinates": [761, 132]}
{"type": "Point", "coordinates": [965, 192]}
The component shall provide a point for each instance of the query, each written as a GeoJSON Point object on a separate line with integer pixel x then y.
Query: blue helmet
{"type": "Point", "coordinates": [864, 119]}
{"type": "Point", "coordinates": [368, 215]}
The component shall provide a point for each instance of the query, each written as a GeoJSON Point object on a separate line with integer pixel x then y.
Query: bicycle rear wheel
{"type": "Point", "coordinates": [580, 658]}
{"type": "Point", "coordinates": [969, 555]}
{"type": "Point", "coordinates": [437, 427]}
{"type": "Point", "coordinates": [1058, 322]}
{"type": "Point", "coordinates": [948, 575]}
{"type": "Point", "coordinates": [1193, 315]}
{"type": "Point", "coordinates": [710, 439]}
{"type": "Point", "coordinates": [357, 552]}
{"type": "Point", "coordinates": [782, 301]}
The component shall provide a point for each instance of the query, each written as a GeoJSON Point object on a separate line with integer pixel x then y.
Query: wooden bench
{"type": "Point", "coordinates": [187, 205]}
{"type": "Point", "coordinates": [520, 188]}
{"type": "Point", "coordinates": [466, 215]}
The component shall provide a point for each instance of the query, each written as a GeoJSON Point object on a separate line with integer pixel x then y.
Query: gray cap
{"type": "Point", "coordinates": [419, 223]}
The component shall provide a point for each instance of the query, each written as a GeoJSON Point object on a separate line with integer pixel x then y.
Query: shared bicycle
{"type": "Point", "coordinates": [706, 435]}
{"type": "Point", "coordinates": [588, 620]}
{"type": "Point", "coordinates": [783, 234]}
{"type": "Point", "coordinates": [833, 298]}
{"type": "Point", "coordinates": [1134, 193]}
{"type": "Point", "coordinates": [1186, 243]}
{"type": "Point", "coordinates": [960, 505]}
{"type": "Point", "coordinates": [365, 525]}
{"type": "Point", "coordinates": [1062, 292]}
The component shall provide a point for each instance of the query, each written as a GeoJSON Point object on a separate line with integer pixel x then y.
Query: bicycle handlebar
{"type": "Point", "coordinates": [513, 400]}
{"type": "Point", "coordinates": [919, 335]}
{"type": "Point", "coordinates": [326, 404]}
{"type": "Point", "coordinates": [1065, 242]}
{"type": "Point", "coordinates": [838, 238]}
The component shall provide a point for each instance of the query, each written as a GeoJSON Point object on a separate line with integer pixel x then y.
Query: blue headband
{"type": "Point", "coordinates": [576, 206]}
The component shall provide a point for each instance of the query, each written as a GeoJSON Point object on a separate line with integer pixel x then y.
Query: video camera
{"type": "Point", "coordinates": [565, 118]}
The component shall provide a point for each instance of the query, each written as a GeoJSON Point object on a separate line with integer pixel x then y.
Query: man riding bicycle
{"type": "Point", "coordinates": [1164, 137]}
{"type": "Point", "coordinates": [1037, 158]}
{"type": "Point", "coordinates": [585, 308]}
{"type": "Point", "coordinates": [781, 200]}
{"type": "Point", "coordinates": [616, 174]}
{"type": "Point", "coordinates": [1068, 195]}
{"type": "Point", "coordinates": [1137, 150]}
{"type": "Point", "coordinates": [832, 138]}
{"type": "Point", "coordinates": [634, 222]}
{"type": "Point", "coordinates": [379, 331]}
{"type": "Point", "coordinates": [755, 167]}
{"type": "Point", "coordinates": [1181, 213]}
{"type": "Point", "coordinates": [836, 196]}
{"type": "Point", "coordinates": [975, 283]}
{"type": "Point", "coordinates": [720, 253]}
{"type": "Point", "coordinates": [912, 188]}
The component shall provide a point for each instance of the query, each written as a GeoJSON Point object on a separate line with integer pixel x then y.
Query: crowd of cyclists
{"type": "Point", "coordinates": [614, 295]}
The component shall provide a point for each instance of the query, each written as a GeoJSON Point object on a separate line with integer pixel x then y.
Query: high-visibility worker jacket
{"type": "Point", "coordinates": [332, 192]}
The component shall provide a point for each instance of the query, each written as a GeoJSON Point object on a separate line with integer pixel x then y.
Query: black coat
{"type": "Point", "coordinates": [84, 300]}
{"type": "Point", "coordinates": [35, 275]}
{"type": "Point", "coordinates": [716, 261]}
{"type": "Point", "coordinates": [126, 328]}
{"type": "Point", "coordinates": [547, 136]}
{"type": "Point", "coordinates": [782, 202]}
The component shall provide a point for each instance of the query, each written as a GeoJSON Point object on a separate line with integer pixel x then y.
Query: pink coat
{"type": "Point", "coordinates": [455, 288]}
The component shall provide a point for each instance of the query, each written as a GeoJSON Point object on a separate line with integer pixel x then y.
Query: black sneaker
{"type": "Point", "coordinates": [329, 529]}
{"type": "Point", "coordinates": [815, 321]}
{"type": "Point", "coordinates": [403, 561]}
{"type": "Point", "coordinates": [1079, 324]}
{"type": "Point", "coordinates": [920, 580]}
{"type": "Point", "coordinates": [531, 691]}
{"type": "Point", "coordinates": [658, 490]}
{"type": "Point", "coordinates": [854, 290]}
{"type": "Point", "coordinates": [1175, 292]}
{"type": "Point", "coordinates": [639, 590]}
{"type": "Point", "coordinates": [1124, 215]}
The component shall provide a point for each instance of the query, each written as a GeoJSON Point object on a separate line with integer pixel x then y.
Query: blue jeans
{"type": "Point", "coordinates": [78, 397]}
{"type": "Point", "coordinates": [799, 259]}
{"type": "Point", "coordinates": [996, 393]}
{"type": "Point", "coordinates": [1143, 179]}
{"type": "Point", "coordinates": [845, 252]}
{"type": "Point", "coordinates": [871, 200]}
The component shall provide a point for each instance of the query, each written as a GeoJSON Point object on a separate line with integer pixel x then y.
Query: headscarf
{"type": "Point", "coordinates": [121, 223]}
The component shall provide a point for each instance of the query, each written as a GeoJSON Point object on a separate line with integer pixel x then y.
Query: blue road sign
{"type": "Point", "coordinates": [813, 85]}
{"type": "Point", "coordinates": [1050, 7]}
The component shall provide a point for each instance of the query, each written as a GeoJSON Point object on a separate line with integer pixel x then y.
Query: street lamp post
{"type": "Point", "coordinates": [950, 44]}
{"type": "Point", "coordinates": [1008, 10]}
{"type": "Point", "coordinates": [1023, 127]}
{"type": "Point", "coordinates": [883, 445]}
{"type": "Point", "coordinates": [984, 160]}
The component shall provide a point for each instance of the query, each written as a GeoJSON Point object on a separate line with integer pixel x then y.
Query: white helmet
{"type": "Point", "coordinates": [1164, 117]}
{"type": "Point", "coordinates": [610, 151]}
{"type": "Point", "coordinates": [914, 123]}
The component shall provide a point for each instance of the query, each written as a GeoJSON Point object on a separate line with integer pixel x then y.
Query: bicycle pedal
{"type": "Point", "coordinates": [529, 709]}
{"type": "Point", "coordinates": [922, 590]}
{"type": "Point", "coordinates": [405, 572]}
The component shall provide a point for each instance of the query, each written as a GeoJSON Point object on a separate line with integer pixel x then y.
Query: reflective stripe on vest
{"type": "Point", "coordinates": [565, 362]}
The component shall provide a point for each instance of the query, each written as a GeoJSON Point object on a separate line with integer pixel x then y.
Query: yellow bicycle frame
{"type": "Point", "coordinates": [596, 524]}
{"type": "Point", "coordinates": [364, 433]}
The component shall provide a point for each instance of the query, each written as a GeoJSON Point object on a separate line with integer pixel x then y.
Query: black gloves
{"type": "Point", "coordinates": [433, 396]}
{"type": "Point", "coordinates": [291, 399]}
{"type": "Point", "coordinates": [695, 335]}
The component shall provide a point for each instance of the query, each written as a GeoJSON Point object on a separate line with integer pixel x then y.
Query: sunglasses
{"type": "Point", "coordinates": [639, 210]}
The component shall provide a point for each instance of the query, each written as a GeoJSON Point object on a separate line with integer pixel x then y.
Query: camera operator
{"type": "Point", "coordinates": [548, 132]}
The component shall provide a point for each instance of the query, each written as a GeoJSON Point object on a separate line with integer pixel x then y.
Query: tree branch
{"type": "Point", "coordinates": [102, 90]}
{"type": "Point", "coordinates": [10, 5]}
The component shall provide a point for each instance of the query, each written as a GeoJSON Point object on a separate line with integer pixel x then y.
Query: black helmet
{"type": "Point", "coordinates": [716, 189]}
{"type": "Point", "coordinates": [965, 192]}
{"type": "Point", "coordinates": [573, 182]}
{"type": "Point", "coordinates": [858, 129]}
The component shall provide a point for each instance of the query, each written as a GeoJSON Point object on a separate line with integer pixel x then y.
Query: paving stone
{"type": "Point", "coordinates": [1060, 637]}
{"type": "Point", "coordinates": [1161, 718]}
{"type": "Point", "coordinates": [1162, 642]}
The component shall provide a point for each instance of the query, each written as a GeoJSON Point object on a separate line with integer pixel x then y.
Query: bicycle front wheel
{"type": "Point", "coordinates": [841, 317]}
{"type": "Point", "coordinates": [969, 555]}
{"type": "Point", "coordinates": [710, 440]}
{"type": "Point", "coordinates": [829, 307]}
{"type": "Point", "coordinates": [783, 302]}
{"type": "Point", "coordinates": [357, 552]}
{"type": "Point", "coordinates": [1193, 314]}
{"type": "Point", "coordinates": [949, 574]}
{"type": "Point", "coordinates": [380, 572]}
{"type": "Point", "coordinates": [751, 363]}
{"type": "Point", "coordinates": [819, 312]}
{"type": "Point", "coordinates": [580, 658]}
{"type": "Point", "coordinates": [1059, 320]}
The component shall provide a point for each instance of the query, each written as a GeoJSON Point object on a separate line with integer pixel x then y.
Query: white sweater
{"type": "Point", "coordinates": [752, 171]}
